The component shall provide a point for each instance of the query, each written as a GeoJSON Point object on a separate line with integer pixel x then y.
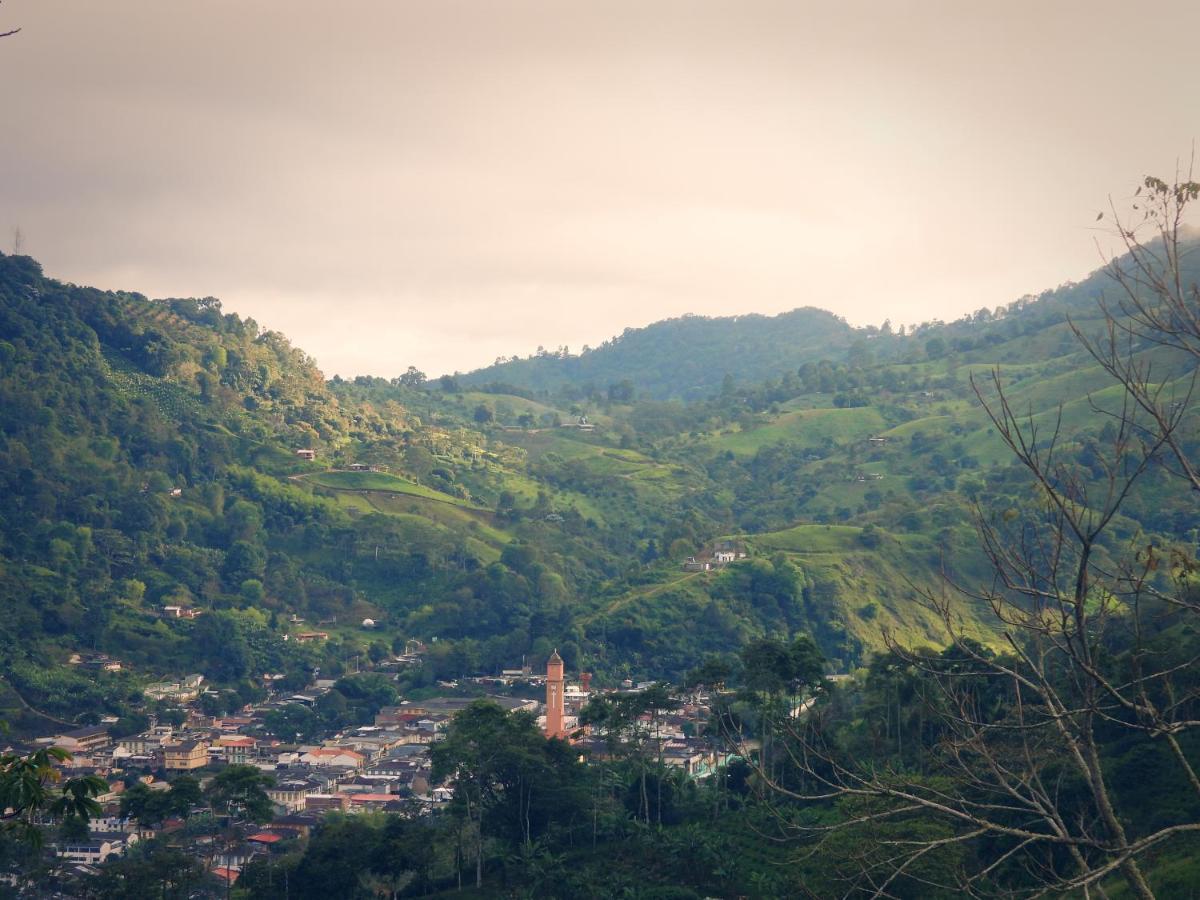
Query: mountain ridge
{"type": "Point", "coordinates": [687, 357]}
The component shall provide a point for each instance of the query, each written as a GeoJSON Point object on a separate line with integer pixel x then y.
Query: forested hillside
{"type": "Point", "coordinates": [148, 457]}
{"type": "Point", "coordinates": [686, 357]}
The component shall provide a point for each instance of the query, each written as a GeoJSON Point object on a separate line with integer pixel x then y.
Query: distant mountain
{"type": "Point", "coordinates": [687, 357]}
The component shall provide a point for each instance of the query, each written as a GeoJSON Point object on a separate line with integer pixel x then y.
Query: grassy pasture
{"type": "Point", "coordinates": [381, 481]}
{"type": "Point", "coordinates": [808, 427]}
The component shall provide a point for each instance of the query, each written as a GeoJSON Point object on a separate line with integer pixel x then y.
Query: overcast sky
{"type": "Point", "coordinates": [438, 183]}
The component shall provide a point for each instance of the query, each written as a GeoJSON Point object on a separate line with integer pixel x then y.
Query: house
{"type": "Point", "coordinates": [231, 724]}
{"type": "Point", "coordinates": [307, 454]}
{"type": "Point", "coordinates": [360, 467]}
{"type": "Point", "coordinates": [138, 745]}
{"type": "Point", "coordinates": [185, 757]}
{"type": "Point", "coordinates": [103, 663]}
{"type": "Point", "coordinates": [326, 802]}
{"type": "Point", "coordinates": [99, 661]}
{"type": "Point", "coordinates": [334, 756]}
{"type": "Point", "coordinates": [226, 875]}
{"type": "Point", "coordinates": [723, 552]}
{"type": "Point", "coordinates": [180, 612]}
{"type": "Point", "coordinates": [371, 801]}
{"type": "Point", "coordinates": [390, 715]}
{"type": "Point", "coordinates": [83, 740]}
{"type": "Point", "coordinates": [305, 637]}
{"type": "Point", "coordinates": [96, 848]}
{"type": "Point", "coordinates": [179, 691]}
{"type": "Point", "coordinates": [877, 440]}
{"type": "Point", "coordinates": [581, 423]}
{"type": "Point", "coordinates": [288, 794]}
{"type": "Point", "coordinates": [236, 749]}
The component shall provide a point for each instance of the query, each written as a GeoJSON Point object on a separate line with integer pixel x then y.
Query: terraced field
{"type": "Point", "coordinates": [172, 400]}
{"type": "Point", "coordinates": [384, 483]}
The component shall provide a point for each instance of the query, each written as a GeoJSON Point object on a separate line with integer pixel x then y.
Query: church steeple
{"type": "Point", "coordinates": [554, 697]}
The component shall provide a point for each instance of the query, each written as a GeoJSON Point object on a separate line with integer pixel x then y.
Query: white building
{"type": "Point", "coordinates": [96, 848]}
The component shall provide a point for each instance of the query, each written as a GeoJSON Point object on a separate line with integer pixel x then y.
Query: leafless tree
{"type": "Point", "coordinates": [1082, 615]}
{"type": "Point", "coordinates": [4, 34]}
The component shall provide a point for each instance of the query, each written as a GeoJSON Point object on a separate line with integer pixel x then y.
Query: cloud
{"type": "Point", "coordinates": [395, 183]}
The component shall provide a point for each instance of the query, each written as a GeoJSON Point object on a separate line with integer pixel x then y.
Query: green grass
{"type": "Point", "coordinates": [808, 427]}
{"type": "Point", "coordinates": [477, 522]}
{"type": "Point", "coordinates": [811, 539]}
{"type": "Point", "coordinates": [381, 481]}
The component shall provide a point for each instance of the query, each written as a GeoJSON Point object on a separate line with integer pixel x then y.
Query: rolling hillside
{"type": "Point", "coordinates": [148, 457]}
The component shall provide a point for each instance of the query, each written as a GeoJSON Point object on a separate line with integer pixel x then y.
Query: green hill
{"type": "Point", "coordinates": [148, 458]}
{"type": "Point", "coordinates": [686, 357]}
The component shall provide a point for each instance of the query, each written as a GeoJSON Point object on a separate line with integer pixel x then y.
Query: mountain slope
{"type": "Point", "coordinates": [148, 459]}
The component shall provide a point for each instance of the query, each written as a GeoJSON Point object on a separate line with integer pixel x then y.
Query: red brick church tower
{"type": "Point", "coordinates": [554, 697]}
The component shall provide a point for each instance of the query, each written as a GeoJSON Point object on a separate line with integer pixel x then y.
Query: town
{"type": "Point", "coordinates": [160, 781]}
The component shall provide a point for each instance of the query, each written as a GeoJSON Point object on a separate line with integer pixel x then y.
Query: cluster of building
{"type": "Point", "coordinates": [382, 766]}
{"type": "Point", "coordinates": [676, 735]}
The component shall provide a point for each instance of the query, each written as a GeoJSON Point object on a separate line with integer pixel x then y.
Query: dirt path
{"type": "Point", "coordinates": [37, 712]}
{"type": "Point", "coordinates": [645, 594]}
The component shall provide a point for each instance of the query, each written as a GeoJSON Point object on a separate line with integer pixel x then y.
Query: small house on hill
{"type": "Point", "coordinates": [582, 424]}
{"type": "Point", "coordinates": [307, 453]}
{"type": "Point", "coordinates": [721, 554]}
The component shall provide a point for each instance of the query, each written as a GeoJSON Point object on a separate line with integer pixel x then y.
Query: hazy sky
{"type": "Point", "coordinates": [437, 183]}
